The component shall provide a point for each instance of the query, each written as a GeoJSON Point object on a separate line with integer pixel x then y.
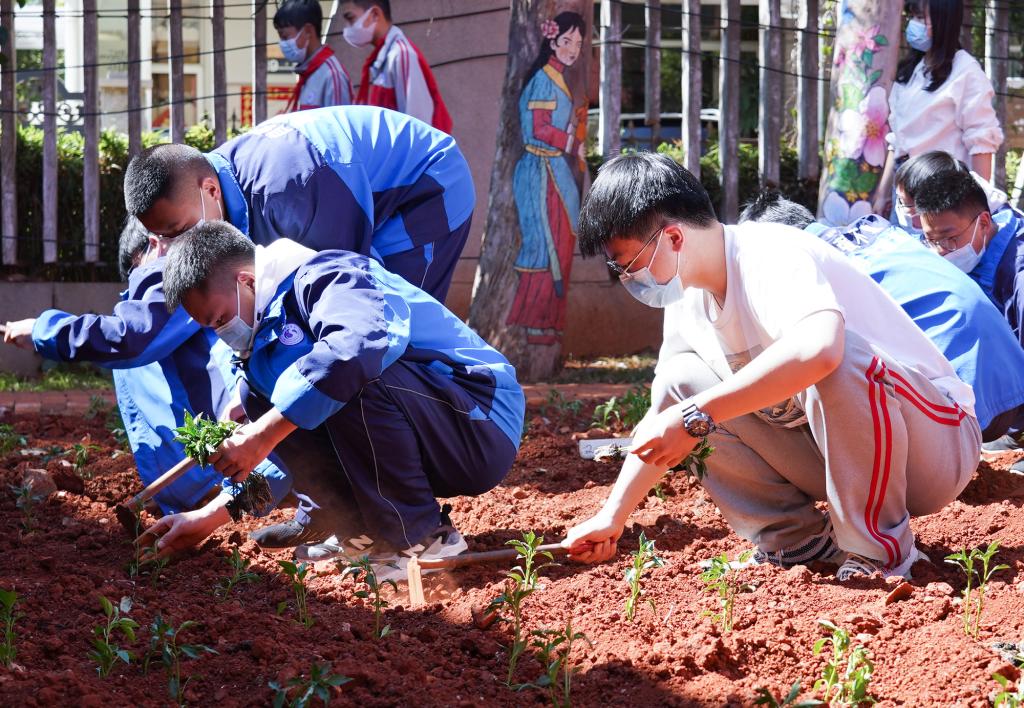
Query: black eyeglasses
{"type": "Point", "coordinates": [950, 242]}
{"type": "Point", "coordinates": [620, 270]}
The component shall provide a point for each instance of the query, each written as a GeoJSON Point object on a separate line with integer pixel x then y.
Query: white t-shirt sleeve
{"type": "Point", "coordinates": [783, 284]}
{"type": "Point", "coordinates": [975, 114]}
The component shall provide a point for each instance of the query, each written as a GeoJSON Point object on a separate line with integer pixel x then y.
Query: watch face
{"type": "Point", "coordinates": [699, 427]}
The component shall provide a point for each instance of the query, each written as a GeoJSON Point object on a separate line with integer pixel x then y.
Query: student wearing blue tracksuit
{"type": "Point", "coordinates": [157, 377]}
{"type": "Point", "coordinates": [347, 357]}
{"type": "Point", "coordinates": [357, 178]}
{"type": "Point", "coordinates": [950, 308]}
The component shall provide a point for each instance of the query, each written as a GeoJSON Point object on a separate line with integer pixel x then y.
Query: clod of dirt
{"type": "Point", "coordinates": [484, 617]}
{"type": "Point", "coordinates": [903, 591]}
{"type": "Point", "coordinates": [65, 478]}
{"type": "Point", "coordinates": [41, 481]}
{"type": "Point", "coordinates": [798, 574]}
{"type": "Point", "coordinates": [864, 624]}
{"type": "Point", "coordinates": [939, 589]}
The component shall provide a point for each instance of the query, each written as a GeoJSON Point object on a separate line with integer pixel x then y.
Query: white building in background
{"type": "Point", "coordinates": [198, 41]}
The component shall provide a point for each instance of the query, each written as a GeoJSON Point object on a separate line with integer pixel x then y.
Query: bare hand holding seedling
{"type": "Point", "coordinates": [250, 444]}
{"type": "Point", "coordinates": [19, 333]}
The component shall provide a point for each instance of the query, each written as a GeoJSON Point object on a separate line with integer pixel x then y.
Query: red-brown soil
{"type": "Point", "coordinates": [435, 656]}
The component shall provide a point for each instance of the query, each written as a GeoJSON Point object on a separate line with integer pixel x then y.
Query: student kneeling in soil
{"type": "Point", "coordinates": [384, 399]}
{"type": "Point", "coordinates": [809, 381]}
{"type": "Point", "coordinates": [157, 378]}
{"type": "Point", "coordinates": [947, 306]}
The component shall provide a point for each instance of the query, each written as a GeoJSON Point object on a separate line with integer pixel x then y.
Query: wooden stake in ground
{"type": "Point", "coordinates": [521, 291]}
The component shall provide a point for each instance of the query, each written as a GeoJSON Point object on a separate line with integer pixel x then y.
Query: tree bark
{"type": "Point", "coordinates": [863, 67]}
{"type": "Point", "coordinates": [519, 301]}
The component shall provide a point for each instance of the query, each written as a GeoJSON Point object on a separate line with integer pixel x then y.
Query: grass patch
{"type": "Point", "coordinates": [638, 368]}
{"type": "Point", "coordinates": [62, 377]}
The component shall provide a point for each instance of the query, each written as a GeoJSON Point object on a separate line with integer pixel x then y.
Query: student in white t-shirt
{"type": "Point", "coordinates": [941, 99]}
{"type": "Point", "coordinates": [810, 381]}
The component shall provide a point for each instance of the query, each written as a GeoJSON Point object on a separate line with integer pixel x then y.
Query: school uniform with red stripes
{"type": "Point", "coordinates": [888, 435]}
{"type": "Point", "coordinates": [322, 82]}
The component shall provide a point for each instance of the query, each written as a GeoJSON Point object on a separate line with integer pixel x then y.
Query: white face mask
{"type": "Point", "coordinates": [966, 258]}
{"type": "Point", "coordinates": [291, 49]}
{"type": "Point", "coordinates": [642, 284]}
{"type": "Point", "coordinates": [235, 332]}
{"type": "Point", "coordinates": [917, 35]}
{"type": "Point", "coordinates": [356, 34]}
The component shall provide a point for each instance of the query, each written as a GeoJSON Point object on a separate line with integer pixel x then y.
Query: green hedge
{"type": "Point", "coordinates": [113, 158]}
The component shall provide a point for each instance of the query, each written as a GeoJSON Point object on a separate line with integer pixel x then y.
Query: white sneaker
{"type": "Point", "coordinates": [857, 565]}
{"type": "Point", "coordinates": [333, 547]}
{"type": "Point", "coordinates": [443, 542]}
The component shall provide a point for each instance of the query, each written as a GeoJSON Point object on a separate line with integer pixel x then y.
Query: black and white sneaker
{"type": "Point", "coordinates": [821, 546]}
{"type": "Point", "coordinates": [308, 526]}
{"type": "Point", "coordinates": [861, 566]}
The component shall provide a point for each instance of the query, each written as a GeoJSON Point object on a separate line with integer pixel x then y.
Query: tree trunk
{"type": "Point", "coordinates": [521, 288]}
{"type": "Point", "coordinates": [863, 67]}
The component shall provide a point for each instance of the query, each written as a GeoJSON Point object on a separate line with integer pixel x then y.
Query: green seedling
{"type": "Point", "coordinates": [659, 491]}
{"type": "Point", "coordinates": [561, 406]}
{"type": "Point", "coordinates": [318, 685]}
{"type": "Point", "coordinates": [97, 406]}
{"type": "Point", "coordinates": [10, 440]}
{"type": "Point", "coordinates": [554, 651]}
{"type": "Point", "coordinates": [521, 582]}
{"type": "Point", "coordinates": [154, 564]}
{"type": "Point", "coordinates": [115, 426]}
{"type": "Point", "coordinates": [239, 574]}
{"type": "Point", "coordinates": [297, 574]}
{"type": "Point", "coordinates": [846, 678]}
{"type": "Point", "coordinates": [79, 454]}
{"type": "Point", "coordinates": [164, 644]}
{"type": "Point", "coordinates": [974, 598]}
{"type": "Point", "coordinates": [1009, 697]}
{"type": "Point", "coordinates": [764, 697]}
{"type": "Point", "coordinates": [634, 406]}
{"type": "Point", "coordinates": [607, 413]}
{"type": "Point", "coordinates": [722, 578]}
{"type": "Point", "coordinates": [695, 464]}
{"type": "Point", "coordinates": [644, 560]}
{"type": "Point", "coordinates": [26, 502]}
{"type": "Point", "coordinates": [364, 567]}
{"type": "Point", "coordinates": [201, 437]}
{"type": "Point", "coordinates": [105, 652]}
{"type": "Point", "coordinates": [8, 616]}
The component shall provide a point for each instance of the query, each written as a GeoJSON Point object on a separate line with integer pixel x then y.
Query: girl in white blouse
{"type": "Point", "coordinates": [941, 99]}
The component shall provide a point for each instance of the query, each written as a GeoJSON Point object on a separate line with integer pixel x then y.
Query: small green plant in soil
{"type": "Point", "coordinates": [97, 406]}
{"type": "Point", "coordinates": [696, 463]}
{"type": "Point", "coordinates": [974, 598]}
{"type": "Point", "coordinates": [201, 437]}
{"type": "Point", "coordinates": [153, 564]}
{"type": "Point", "coordinates": [10, 440]}
{"type": "Point", "coordinates": [607, 413]}
{"type": "Point", "coordinates": [560, 406]}
{"type": "Point", "coordinates": [297, 575]}
{"type": "Point", "coordinates": [645, 559]}
{"type": "Point", "coordinates": [721, 578]}
{"type": "Point", "coordinates": [846, 678]}
{"type": "Point", "coordinates": [521, 582]}
{"type": "Point", "coordinates": [8, 616]}
{"type": "Point", "coordinates": [26, 500]}
{"type": "Point", "coordinates": [299, 692]}
{"type": "Point", "coordinates": [363, 567]}
{"type": "Point", "coordinates": [164, 644]}
{"type": "Point", "coordinates": [106, 652]}
{"type": "Point", "coordinates": [1009, 697]}
{"type": "Point", "coordinates": [239, 574]}
{"type": "Point", "coordinates": [79, 454]}
{"type": "Point", "coordinates": [764, 697]}
{"type": "Point", "coordinates": [554, 652]}
{"type": "Point", "coordinates": [634, 405]}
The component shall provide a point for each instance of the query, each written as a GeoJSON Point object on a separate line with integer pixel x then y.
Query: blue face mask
{"type": "Point", "coordinates": [917, 35]}
{"type": "Point", "coordinates": [642, 284]}
{"type": "Point", "coordinates": [291, 49]}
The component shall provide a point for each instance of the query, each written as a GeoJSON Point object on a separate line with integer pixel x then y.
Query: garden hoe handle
{"type": "Point", "coordinates": [505, 554]}
{"type": "Point", "coordinates": [128, 512]}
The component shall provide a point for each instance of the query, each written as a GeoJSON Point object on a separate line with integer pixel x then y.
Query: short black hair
{"type": "Point", "coordinates": [202, 254]}
{"type": "Point", "coordinates": [635, 194]}
{"type": "Point", "coordinates": [131, 245]}
{"type": "Point", "coordinates": [772, 207]}
{"type": "Point", "coordinates": [155, 173]}
{"type": "Point", "coordinates": [912, 173]}
{"type": "Point", "coordinates": [950, 190]}
{"type": "Point", "coordinates": [364, 5]}
{"type": "Point", "coordinates": [298, 14]}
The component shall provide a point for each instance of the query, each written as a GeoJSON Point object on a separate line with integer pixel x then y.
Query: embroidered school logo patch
{"type": "Point", "coordinates": [291, 334]}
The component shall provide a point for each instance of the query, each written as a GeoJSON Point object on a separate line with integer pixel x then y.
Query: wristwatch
{"type": "Point", "coordinates": [698, 423]}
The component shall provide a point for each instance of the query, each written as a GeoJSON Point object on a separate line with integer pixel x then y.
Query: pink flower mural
{"type": "Point", "coordinates": [863, 130]}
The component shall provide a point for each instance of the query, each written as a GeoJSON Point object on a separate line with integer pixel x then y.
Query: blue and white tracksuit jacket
{"type": "Point", "coordinates": [356, 178]}
{"type": "Point", "coordinates": [950, 308]}
{"type": "Point", "coordinates": [163, 365]}
{"type": "Point", "coordinates": [409, 403]}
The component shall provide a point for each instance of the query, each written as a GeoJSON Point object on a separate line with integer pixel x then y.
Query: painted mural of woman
{"type": "Point", "coordinates": [547, 194]}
